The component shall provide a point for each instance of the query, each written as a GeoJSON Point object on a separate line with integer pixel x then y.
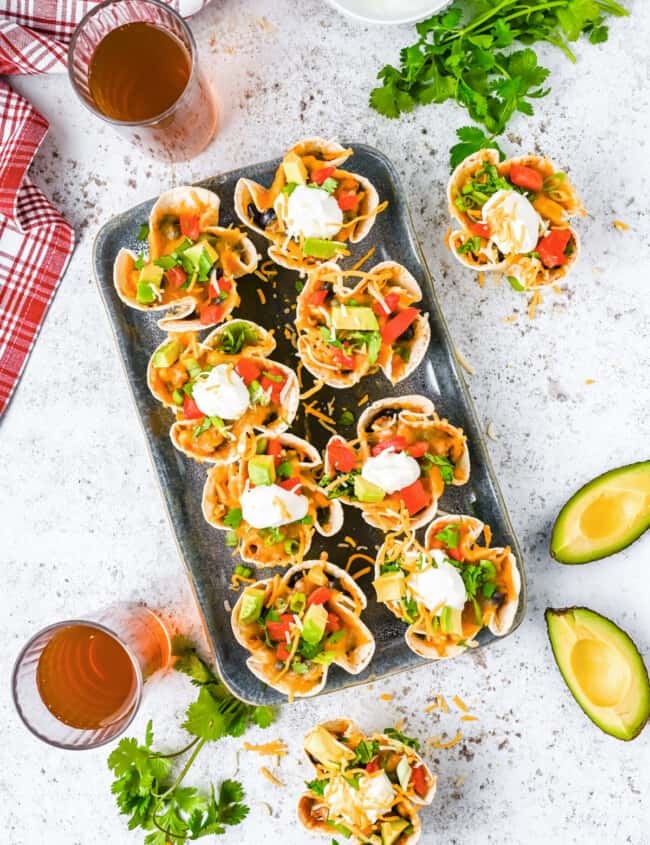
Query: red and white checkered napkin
{"type": "Point", "coordinates": [35, 241]}
{"type": "Point", "coordinates": [34, 34]}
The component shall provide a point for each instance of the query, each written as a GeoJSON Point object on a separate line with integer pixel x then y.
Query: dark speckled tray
{"type": "Point", "coordinates": [209, 563]}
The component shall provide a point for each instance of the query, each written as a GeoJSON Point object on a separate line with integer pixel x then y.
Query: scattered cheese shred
{"type": "Point", "coordinates": [363, 260]}
{"type": "Point", "coordinates": [318, 386]}
{"type": "Point", "coordinates": [261, 275]}
{"type": "Point", "coordinates": [460, 704]}
{"type": "Point", "coordinates": [464, 363]}
{"type": "Point", "coordinates": [511, 319]}
{"type": "Point", "coordinates": [274, 748]}
{"type": "Point", "coordinates": [442, 704]}
{"type": "Point", "coordinates": [350, 541]}
{"type": "Point", "coordinates": [362, 572]}
{"type": "Point", "coordinates": [260, 293]}
{"type": "Point", "coordinates": [556, 289]}
{"type": "Point", "coordinates": [400, 724]}
{"type": "Point", "coordinates": [264, 771]}
{"type": "Point", "coordinates": [437, 744]}
{"type": "Point", "coordinates": [491, 432]}
{"type": "Point", "coordinates": [386, 696]}
{"type": "Point", "coordinates": [310, 409]}
{"type": "Point", "coordinates": [267, 268]}
{"type": "Point", "coordinates": [589, 381]}
{"type": "Point", "coordinates": [237, 580]}
{"type": "Point", "coordinates": [431, 707]}
{"type": "Point", "coordinates": [363, 400]}
{"type": "Point", "coordinates": [460, 780]}
{"type": "Point", "coordinates": [622, 227]}
{"type": "Point", "coordinates": [481, 279]}
{"type": "Point", "coordinates": [358, 556]}
{"type": "Point", "coordinates": [468, 718]}
{"type": "Point", "coordinates": [535, 300]}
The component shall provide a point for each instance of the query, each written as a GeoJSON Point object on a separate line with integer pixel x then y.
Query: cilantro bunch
{"type": "Point", "coordinates": [466, 54]}
{"type": "Point", "coordinates": [144, 786]}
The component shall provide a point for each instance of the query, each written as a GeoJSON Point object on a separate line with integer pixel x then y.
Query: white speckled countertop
{"type": "Point", "coordinates": [82, 521]}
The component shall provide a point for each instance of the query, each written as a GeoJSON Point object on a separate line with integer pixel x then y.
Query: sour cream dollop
{"type": "Point", "coordinates": [513, 222]}
{"type": "Point", "coordinates": [270, 506]}
{"type": "Point", "coordinates": [441, 587]}
{"type": "Point", "coordinates": [391, 470]}
{"type": "Point", "coordinates": [372, 799]}
{"type": "Point", "coordinates": [222, 393]}
{"type": "Point", "coordinates": [310, 212]}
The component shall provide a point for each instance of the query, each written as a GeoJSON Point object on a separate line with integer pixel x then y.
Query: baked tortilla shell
{"type": "Point", "coordinates": [185, 199]}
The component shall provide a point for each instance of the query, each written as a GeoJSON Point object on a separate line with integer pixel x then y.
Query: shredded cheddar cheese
{"type": "Point", "coordinates": [430, 708]}
{"type": "Point", "coordinates": [460, 704]}
{"type": "Point", "coordinates": [535, 300]}
{"type": "Point", "coordinates": [589, 381]}
{"type": "Point", "coordinates": [362, 572]}
{"type": "Point", "coordinates": [464, 363]}
{"type": "Point", "coordinates": [275, 748]}
{"type": "Point", "coordinates": [468, 718]}
{"type": "Point", "coordinates": [264, 771]}
{"type": "Point", "coordinates": [386, 697]}
{"type": "Point", "coordinates": [363, 260]}
{"type": "Point", "coordinates": [363, 400]}
{"type": "Point", "coordinates": [350, 541]}
{"type": "Point", "coordinates": [436, 743]}
{"type": "Point", "coordinates": [260, 293]}
{"type": "Point", "coordinates": [312, 390]}
{"type": "Point", "coordinates": [310, 409]}
{"type": "Point", "coordinates": [622, 227]}
{"type": "Point", "coordinates": [358, 556]}
{"type": "Point", "coordinates": [481, 279]}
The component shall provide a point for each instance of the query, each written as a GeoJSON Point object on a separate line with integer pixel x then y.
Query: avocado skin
{"type": "Point", "coordinates": [551, 612]}
{"type": "Point", "coordinates": [606, 551]}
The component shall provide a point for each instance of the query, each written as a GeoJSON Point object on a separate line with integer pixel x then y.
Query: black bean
{"type": "Point", "coordinates": [408, 334]}
{"type": "Point", "coordinates": [267, 217]}
{"type": "Point", "coordinates": [388, 413]}
{"type": "Point", "coordinates": [323, 516]}
{"type": "Point", "coordinates": [497, 598]}
{"type": "Point", "coordinates": [261, 218]}
{"type": "Point", "coordinates": [271, 418]}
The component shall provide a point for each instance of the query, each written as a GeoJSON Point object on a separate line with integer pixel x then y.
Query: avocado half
{"type": "Point", "coordinates": [603, 517]}
{"type": "Point", "coordinates": [603, 669]}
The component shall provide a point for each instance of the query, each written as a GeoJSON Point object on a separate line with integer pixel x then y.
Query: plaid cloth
{"type": "Point", "coordinates": [35, 240]}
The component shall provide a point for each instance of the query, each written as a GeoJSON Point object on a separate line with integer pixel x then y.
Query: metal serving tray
{"type": "Point", "coordinates": [208, 562]}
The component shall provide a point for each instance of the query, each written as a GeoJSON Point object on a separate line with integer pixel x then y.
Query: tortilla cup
{"type": "Point", "coordinates": [387, 277]}
{"type": "Point", "coordinates": [411, 416]}
{"type": "Point", "coordinates": [225, 485]}
{"type": "Point", "coordinates": [254, 204]}
{"type": "Point", "coordinates": [185, 199]}
{"type": "Point", "coordinates": [347, 602]}
{"type": "Point", "coordinates": [312, 808]}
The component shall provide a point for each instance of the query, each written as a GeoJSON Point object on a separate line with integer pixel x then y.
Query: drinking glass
{"type": "Point", "coordinates": [147, 644]}
{"type": "Point", "coordinates": [188, 124]}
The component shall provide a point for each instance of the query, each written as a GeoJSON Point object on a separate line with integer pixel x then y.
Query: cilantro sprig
{"type": "Point", "coordinates": [467, 54]}
{"type": "Point", "coordinates": [145, 787]}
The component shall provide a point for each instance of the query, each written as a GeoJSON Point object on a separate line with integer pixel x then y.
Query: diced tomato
{"type": "Point", "coordinates": [277, 630]}
{"type": "Point", "coordinates": [419, 449]}
{"type": "Point", "coordinates": [341, 457]}
{"type": "Point", "coordinates": [348, 200]}
{"type": "Point", "coordinates": [396, 443]}
{"type": "Point", "coordinates": [190, 226]}
{"type": "Point", "coordinates": [372, 766]}
{"type": "Point", "coordinates": [283, 652]}
{"type": "Point", "coordinates": [274, 447]}
{"type": "Point", "coordinates": [210, 314]}
{"type": "Point", "coordinates": [415, 497]}
{"type": "Point", "coordinates": [480, 229]}
{"type": "Point", "coordinates": [319, 596]}
{"type": "Point", "coordinates": [419, 780]}
{"type": "Point", "coordinates": [248, 369]}
{"type": "Point", "coordinates": [526, 177]}
{"type": "Point", "coordinates": [551, 248]}
{"type": "Point", "coordinates": [221, 285]}
{"type": "Point", "coordinates": [319, 176]}
{"type": "Point", "coordinates": [343, 359]}
{"type": "Point", "coordinates": [318, 297]}
{"type": "Point", "coordinates": [398, 324]}
{"type": "Point", "coordinates": [272, 384]}
{"type": "Point", "coordinates": [455, 554]}
{"type": "Point", "coordinates": [176, 277]}
{"type": "Point", "coordinates": [290, 484]}
{"type": "Point", "coordinates": [391, 300]}
{"type": "Point", "coordinates": [191, 410]}
{"type": "Point", "coordinates": [333, 623]}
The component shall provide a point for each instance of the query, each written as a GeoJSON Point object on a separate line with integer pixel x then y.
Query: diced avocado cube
{"type": "Point", "coordinates": [261, 470]}
{"type": "Point", "coordinates": [403, 773]}
{"type": "Point", "coordinates": [325, 748]}
{"type": "Point", "coordinates": [192, 366]}
{"type": "Point", "coordinates": [451, 621]}
{"type": "Point", "coordinates": [320, 248]}
{"type": "Point", "coordinates": [261, 445]}
{"type": "Point", "coordinates": [356, 318]}
{"type": "Point", "coordinates": [392, 830]}
{"type": "Point", "coordinates": [366, 491]}
{"type": "Point", "coordinates": [313, 624]}
{"type": "Point", "coordinates": [294, 169]}
{"type": "Point", "coordinates": [201, 256]}
{"type": "Point", "coordinates": [167, 354]}
{"type": "Point", "coordinates": [251, 605]}
{"type": "Point", "coordinates": [390, 587]}
{"type": "Point", "coordinates": [316, 574]}
{"type": "Point", "coordinates": [152, 274]}
{"type": "Point", "coordinates": [145, 293]}
{"type": "Point", "coordinates": [297, 602]}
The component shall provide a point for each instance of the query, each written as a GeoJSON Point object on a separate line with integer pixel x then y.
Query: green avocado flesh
{"type": "Point", "coordinates": [603, 669]}
{"type": "Point", "coordinates": [604, 516]}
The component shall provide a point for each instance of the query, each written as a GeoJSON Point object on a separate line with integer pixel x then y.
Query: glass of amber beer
{"type": "Point", "coordinates": [134, 64]}
{"type": "Point", "coordinates": [78, 684]}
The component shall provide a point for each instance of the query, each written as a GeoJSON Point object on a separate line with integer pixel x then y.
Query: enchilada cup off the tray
{"type": "Point", "coordinates": [449, 589]}
{"type": "Point", "coordinates": [296, 626]}
{"type": "Point", "coordinates": [273, 522]}
{"type": "Point", "coordinates": [346, 333]}
{"type": "Point", "coordinates": [222, 388]}
{"type": "Point", "coordinates": [312, 209]}
{"type": "Point", "coordinates": [397, 468]}
{"type": "Point", "coordinates": [373, 787]}
{"type": "Point", "coordinates": [192, 263]}
{"type": "Point", "coordinates": [515, 218]}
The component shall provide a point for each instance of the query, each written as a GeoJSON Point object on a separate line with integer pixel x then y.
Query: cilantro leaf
{"type": "Point", "coordinates": [400, 737]}
{"type": "Point", "coordinates": [471, 140]}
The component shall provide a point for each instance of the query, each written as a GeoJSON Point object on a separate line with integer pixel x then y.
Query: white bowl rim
{"type": "Point", "coordinates": [343, 7]}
